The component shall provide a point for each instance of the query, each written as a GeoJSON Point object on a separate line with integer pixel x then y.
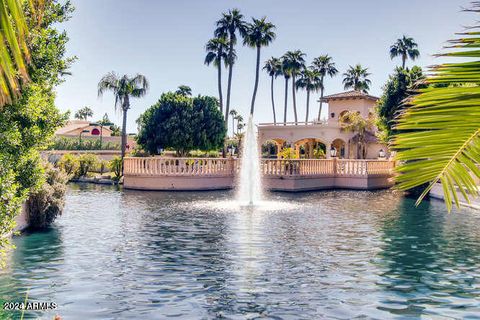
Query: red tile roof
{"type": "Point", "coordinates": [350, 95]}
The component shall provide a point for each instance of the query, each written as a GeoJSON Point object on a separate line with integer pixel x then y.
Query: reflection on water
{"type": "Point", "coordinates": [147, 255]}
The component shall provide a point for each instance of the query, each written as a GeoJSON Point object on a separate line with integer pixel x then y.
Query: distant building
{"type": "Point", "coordinates": [305, 138]}
{"type": "Point", "coordinates": [75, 127]}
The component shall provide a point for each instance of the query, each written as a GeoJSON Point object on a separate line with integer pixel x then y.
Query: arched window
{"type": "Point", "coordinates": [95, 132]}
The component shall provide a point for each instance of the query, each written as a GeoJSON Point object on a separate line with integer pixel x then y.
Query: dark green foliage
{"type": "Point", "coordinates": [46, 203]}
{"type": "Point", "coordinates": [182, 123]}
{"type": "Point", "coordinates": [399, 87]}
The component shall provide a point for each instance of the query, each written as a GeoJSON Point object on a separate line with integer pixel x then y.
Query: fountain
{"type": "Point", "coordinates": [250, 183]}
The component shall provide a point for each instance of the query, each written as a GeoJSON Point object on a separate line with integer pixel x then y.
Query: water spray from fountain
{"type": "Point", "coordinates": [250, 184]}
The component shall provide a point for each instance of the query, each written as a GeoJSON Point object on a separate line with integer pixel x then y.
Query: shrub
{"type": "Point", "coordinates": [288, 153]}
{"type": "Point", "coordinates": [46, 203]}
{"type": "Point", "coordinates": [69, 164]}
{"type": "Point", "coordinates": [116, 168]}
{"type": "Point", "coordinates": [64, 143]}
{"type": "Point", "coordinates": [87, 163]}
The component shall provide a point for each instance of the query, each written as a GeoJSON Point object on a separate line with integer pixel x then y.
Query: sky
{"type": "Point", "coordinates": [165, 41]}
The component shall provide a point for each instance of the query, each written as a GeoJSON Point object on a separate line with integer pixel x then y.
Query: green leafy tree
{"type": "Point", "coordinates": [260, 33]}
{"type": "Point", "coordinates": [228, 26]}
{"type": "Point", "coordinates": [184, 90]}
{"type": "Point", "coordinates": [440, 135]}
{"type": "Point", "coordinates": [124, 88]}
{"type": "Point", "coordinates": [404, 47]}
{"type": "Point", "coordinates": [181, 123]}
{"type": "Point", "coordinates": [217, 49]}
{"type": "Point", "coordinates": [356, 78]}
{"type": "Point", "coordinates": [310, 80]}
{"type": "Point", "coordinates": [326, 67]}
{"type": "Point", "coordinates": [293, 64]}
{"type": "Point", "coordinates": [27, 124]}
{"type": "Point", "coordinates": [273, 66]}
{"type": "Point", "coordinates": [84, 113]}
{"type": "Point", "coordinates": [401, 84]}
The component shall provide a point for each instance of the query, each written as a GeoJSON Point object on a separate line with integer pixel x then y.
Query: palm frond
{"type": "Point", "coordinates": [440, 133]}
{"type": "Point", "coordinates": [13, 50]}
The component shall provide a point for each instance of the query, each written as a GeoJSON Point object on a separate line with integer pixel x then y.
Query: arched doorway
{"type": "Point", "coordinates": [340, 146]}
{"type": "Point", "coordinates": [310, 148]}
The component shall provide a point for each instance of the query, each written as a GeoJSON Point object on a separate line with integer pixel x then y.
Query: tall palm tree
{"type": "Point", "coordinates": [356, 78]}
{"type": "Point", "coordinates": [123, 89]}
{"type": "Point", "coordinates": [326, 67]}
{"type": "Point", "coordinates": [285, 71]}
{"type": "Point", "coordinates": [260, 33]}
{"type": "Point", "coordinates": [404, 47]}
{"type": "Point", "coordinates": [274, 68]}
{"type": "Point", "coordinates": [439, 137]}
{"type": "Point", "coordinates": [217, 49]}
{"type": "Point", "coordinates": [14, 54]}
{"type": "Point", "coordinates": [227, 27]}
{"type": "Point", "coordinates": [295, 63]}
{"type": "Point", "coordinates": [310, 80]}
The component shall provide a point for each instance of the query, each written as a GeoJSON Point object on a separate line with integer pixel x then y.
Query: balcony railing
{"type": "Point", "coordinates": [156, 166]}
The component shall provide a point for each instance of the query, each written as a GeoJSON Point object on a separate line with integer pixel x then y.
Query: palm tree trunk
{"type": "Point", "coordinates": [294, 99]}
{"type": "Point", "coordinates": [229, 85]}
{"type": "Point", "coordinates": [404, 60]}
{"type": "Point", "coordinates": [124, 131]}
{"type": "Point", "coordinates": [321, 101]}
{"type": "Point", "coordinates": [256, 81]}
{"type": "Point", "coordinates": [286, 103]}
{"type": "Point", "coordinates": [308, 106]}
{"type": "Point", "coordinates": [220, 95]}
{"type": "Point", "coordinates": [233, 126]}
{"type": "Point", "coordinates": [273, 101]}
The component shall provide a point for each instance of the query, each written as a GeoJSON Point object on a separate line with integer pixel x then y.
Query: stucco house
{"type": "Point", "coordinates": [327, 134]}
{"type": "Point", "coordinates": [75, 127]}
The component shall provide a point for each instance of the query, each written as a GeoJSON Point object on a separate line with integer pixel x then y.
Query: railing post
{"type": "Point", "coordinates": [334, 166]}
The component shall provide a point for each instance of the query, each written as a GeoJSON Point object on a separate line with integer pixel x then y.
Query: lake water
{"type": "Point", "coordinates": [334, 255]}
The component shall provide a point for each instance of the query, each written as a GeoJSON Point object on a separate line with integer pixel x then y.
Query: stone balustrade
{"type": "Point", "coordinates": [156, 173]}
{"type": "Point", "coordinates": [178, 166]}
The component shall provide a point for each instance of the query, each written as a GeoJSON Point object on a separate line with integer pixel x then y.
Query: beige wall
{"type": "Point", "coordinates": [364, 106]}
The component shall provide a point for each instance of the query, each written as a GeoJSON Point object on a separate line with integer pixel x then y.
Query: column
{"type": "Point", "coordinates": [328, 146]}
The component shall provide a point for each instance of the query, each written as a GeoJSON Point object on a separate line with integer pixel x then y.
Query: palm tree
{"type": "Point", "coordinates": [14, 54]}
{"type": "Point", "coordinates": [406, 48]}
{"type": "Point", "coordinates": [357, 78]}
{"type": "Point", "coordinates": [123, 89]}
{"type": "Point", "coordinates": [325, 66]}
{"type": "Point", "coordinates": [439, 137]}
{"type": "Point", "coordinates": [352, 121]}
{"type": "Point", "coordinates": [310, 80]}
{"type": "Point", "coordinates": [274, 68]}
{"type": "Point", "coordinates": [227, 28]}
{"type": "Point", "coordinates": [234, 114]}
{"type": "Point", "coordinates": [240, 123]}
{"type": "Point", "coordinates": [285, 71]}
{"type": "Point", "coordinates": [217, 49]}
{"type": "Point", "coordinates": [184, 90]}
{"type": "Point", "coordinates": [84, 113]}
{"type": "Point", "coordinates": [294, 62]}
{"type": "Point", "coordinates": [259, 34]}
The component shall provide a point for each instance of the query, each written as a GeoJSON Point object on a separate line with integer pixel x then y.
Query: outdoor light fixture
{"type": "Point", "coordinates": [80, 136]}
{"type": "Point", "coordinates": [381, 153]}
{"type": "Point", "coordinates": [333, 152]}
